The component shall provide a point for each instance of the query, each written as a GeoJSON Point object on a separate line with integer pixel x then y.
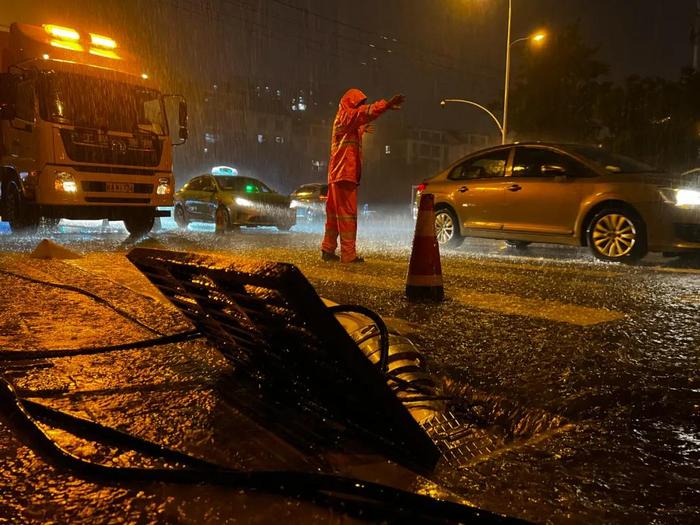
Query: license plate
{"type": "Point", "coordinates": [120, 187]}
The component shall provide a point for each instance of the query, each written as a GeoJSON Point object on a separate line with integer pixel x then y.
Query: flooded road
{"type": "Point", "coordinates": [586, 372]}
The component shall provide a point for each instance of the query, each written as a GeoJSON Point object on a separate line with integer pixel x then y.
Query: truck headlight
{"type": "Point", "coordinates": [65, 182]}
{"type": "Point", "coordinates": [680, 197]}
{"type": "Point", "coordinates": [244, 202]}
{"type": "Point", "coordinates": [164, 187]}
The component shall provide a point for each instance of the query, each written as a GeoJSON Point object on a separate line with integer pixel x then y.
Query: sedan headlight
{"type": "Point", "coordinates": [680, 197]}
{"type": "Point", "coordinates": [688, 198]}
{"type": "Point", "coordinates": [244, 202]}
{"type": "Point", "coordinates": [65, 182]}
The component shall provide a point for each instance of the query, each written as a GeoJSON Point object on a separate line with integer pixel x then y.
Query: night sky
{"type": "Point", "coordinates": [428, 49]}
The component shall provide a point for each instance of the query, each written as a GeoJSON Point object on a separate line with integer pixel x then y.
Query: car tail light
{"type": "Point", "coordinates": [421, 187]}
{"type": "Point", "coordinates": [323, 197]}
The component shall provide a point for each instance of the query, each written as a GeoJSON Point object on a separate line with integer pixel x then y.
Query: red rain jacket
{"type": "Point", "coordinates": [346, 141]}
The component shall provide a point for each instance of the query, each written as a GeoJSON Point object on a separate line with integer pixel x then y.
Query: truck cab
{"type": "Point", "coordinates": [83, 131]}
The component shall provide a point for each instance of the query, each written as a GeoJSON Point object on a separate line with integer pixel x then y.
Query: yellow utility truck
{"type": "Point", "coordinates": [83, 131]}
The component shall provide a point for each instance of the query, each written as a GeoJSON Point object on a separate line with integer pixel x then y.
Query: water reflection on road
{"type": "Point", "coordinates": [614, 383]}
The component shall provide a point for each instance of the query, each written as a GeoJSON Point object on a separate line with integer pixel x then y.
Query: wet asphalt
{"type": "Point", "coordinates": [597, 363]}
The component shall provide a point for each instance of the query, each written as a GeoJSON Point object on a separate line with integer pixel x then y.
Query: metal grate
{"type": "Point", "coordinates": [459, 442]}
{"type": "Point", "coordinates": [288, 349]}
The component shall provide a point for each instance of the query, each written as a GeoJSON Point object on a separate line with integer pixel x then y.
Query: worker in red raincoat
{"type": "Point", "coordinates": [345, 170]}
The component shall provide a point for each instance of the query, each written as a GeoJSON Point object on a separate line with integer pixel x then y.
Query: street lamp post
{"type": "Point", "coordinates": [504, 128]}
{"type": "Point", "coordinates": [537, 37]}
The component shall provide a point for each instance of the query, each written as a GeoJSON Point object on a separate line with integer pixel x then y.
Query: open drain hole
{"type": "Point", "coordinates": [476, 425]}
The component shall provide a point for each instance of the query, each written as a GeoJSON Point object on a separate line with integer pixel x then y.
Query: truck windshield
{"type": "Point", "coordinates": [90, 102]}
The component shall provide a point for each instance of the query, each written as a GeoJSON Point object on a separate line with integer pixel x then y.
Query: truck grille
{"type": "Point", "coordinates": [93, 146]}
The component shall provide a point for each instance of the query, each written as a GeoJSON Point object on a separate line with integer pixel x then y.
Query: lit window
{"type": "Point", "coordinates": [387, 149]}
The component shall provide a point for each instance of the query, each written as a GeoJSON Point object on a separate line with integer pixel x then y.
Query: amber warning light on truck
{"type": "Point", "coordinates": [69, 38]}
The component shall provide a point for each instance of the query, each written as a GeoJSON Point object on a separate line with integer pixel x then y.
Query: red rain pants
{"type": "Point", "coordinates": [341, 219]}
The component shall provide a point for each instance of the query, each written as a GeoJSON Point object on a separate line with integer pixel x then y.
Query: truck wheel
{"type": "Point", "coordinates": [139, 224]}
{"type": "Point", "coordinates": [22, 219]}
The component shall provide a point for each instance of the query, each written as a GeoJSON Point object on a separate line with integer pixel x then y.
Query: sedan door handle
{"type": "Point", "coordinates": [463, 189]}
{"type": "Point", "coordinates": [515, 187]}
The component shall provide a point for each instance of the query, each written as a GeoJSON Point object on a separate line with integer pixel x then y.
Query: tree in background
{"type": "Point", "coordinates": [561, 95]}
{"type": "Point", "coordinates": [556, 88]}
{"type": "Point", "coordinates": [653, 119]}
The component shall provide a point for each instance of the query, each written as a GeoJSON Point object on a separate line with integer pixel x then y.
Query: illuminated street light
{"type": "Point", "coordinates": [536, 38]}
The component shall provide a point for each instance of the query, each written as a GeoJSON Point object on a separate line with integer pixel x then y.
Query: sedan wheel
{"type": "Point", "coordinates": [180, 217]}
{"type": "Point", "coordinates": [446, 229]}
{"type": "Point", "coordinates": [223, 221]}
{"type": "Point", "coordinates": [617, 235]}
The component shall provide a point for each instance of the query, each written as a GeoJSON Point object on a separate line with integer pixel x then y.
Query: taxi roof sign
{"type": "Point", "coordinates": [224, 170]}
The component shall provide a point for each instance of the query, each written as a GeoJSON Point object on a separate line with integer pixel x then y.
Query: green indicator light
{"type": "Point", "coordinates": [249, 188]}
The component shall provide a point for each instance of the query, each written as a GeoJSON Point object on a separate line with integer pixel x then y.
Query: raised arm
{"type": "Point", "coordinates": [366, 113]}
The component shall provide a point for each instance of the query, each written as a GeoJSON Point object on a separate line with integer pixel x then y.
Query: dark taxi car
{"type": "Point", "coordinates": [231, 201]}
{"type": "Point", "coordinates": [566, 194]}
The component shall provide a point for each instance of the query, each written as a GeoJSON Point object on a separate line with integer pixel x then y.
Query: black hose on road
{"type": "Point", "coordinates": [86, 293]}
{"type": "Point", "coordinates": [23, 355]}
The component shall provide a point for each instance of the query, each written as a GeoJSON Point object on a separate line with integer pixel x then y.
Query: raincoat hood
{"type": "Point", "coordinates": [352, 99]}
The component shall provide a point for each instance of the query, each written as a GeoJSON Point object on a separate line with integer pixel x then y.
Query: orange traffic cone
{"type": "Point", "coordinates": [424, 279]}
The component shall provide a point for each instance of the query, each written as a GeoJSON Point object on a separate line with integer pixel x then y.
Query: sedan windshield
{"type": "Point", "coordinates": [612, 162]}
{"type": "Point", "coordinates": [243, 184]}
{"type": "Point", "coordinates": [101, 104]}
